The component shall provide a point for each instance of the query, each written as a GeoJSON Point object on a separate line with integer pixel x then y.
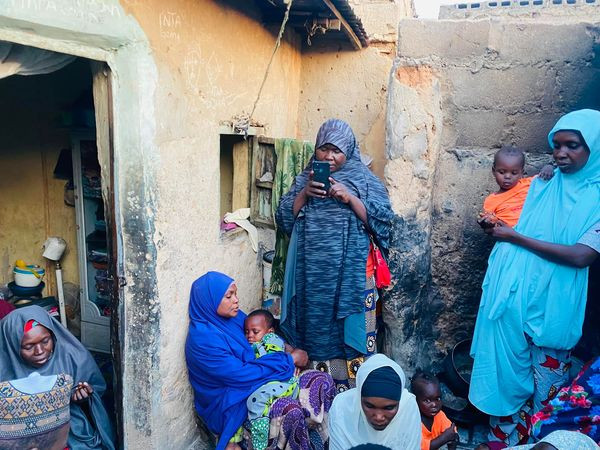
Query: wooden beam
{"type": "Point", "coordinates": [346, 28]}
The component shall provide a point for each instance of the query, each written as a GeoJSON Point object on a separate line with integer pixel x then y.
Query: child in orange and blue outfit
{"type": "Point", "coordinates": [436, 429]}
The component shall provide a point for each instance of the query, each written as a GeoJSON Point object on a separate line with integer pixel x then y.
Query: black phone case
{"type": "Point", "coordinates": [321, 173]}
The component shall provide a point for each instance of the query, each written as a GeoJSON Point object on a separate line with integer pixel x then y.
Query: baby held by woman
{"type": "Point", "coordinates": [506, 204]}
{"type": "Point", "coordinates": [259, 328]}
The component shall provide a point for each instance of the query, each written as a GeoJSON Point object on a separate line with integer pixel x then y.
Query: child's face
{"type": "Point", "coordinates": [255, 328]}
{"type": "Point", "coordinates": [429, 398]}
{"type": "Point", "coordinates": [508, 170]}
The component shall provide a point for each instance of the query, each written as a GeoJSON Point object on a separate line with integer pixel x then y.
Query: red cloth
{"type": "Point", "coordinates": [370, 263]}
{"type": "Point", "coordinates": [5, 308]}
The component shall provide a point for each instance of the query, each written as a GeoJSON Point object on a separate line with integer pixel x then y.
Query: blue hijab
{"type": "Point", "coordinates": [525, 294]}
{"type": "Point", "coordinates": [221, 365]}
{"type": "Point", "coordinates": [332, 248]}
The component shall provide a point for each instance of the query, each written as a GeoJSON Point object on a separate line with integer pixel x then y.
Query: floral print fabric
{"type": "Point", "coordinates": [575, 408]}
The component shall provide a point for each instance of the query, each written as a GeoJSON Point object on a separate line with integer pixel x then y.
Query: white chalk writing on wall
{"type": "Point", "coordinates": [191, 67]}
{"type": "Point", "coordinates": [206, 78]}
{"type": "Point", "coordinates": [91, 11]}
{"type": "Point", "coordinates": [169, 24]}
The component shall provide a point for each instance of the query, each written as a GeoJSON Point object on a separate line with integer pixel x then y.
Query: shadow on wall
{"type": "Point", "coordinates": [458, 91]}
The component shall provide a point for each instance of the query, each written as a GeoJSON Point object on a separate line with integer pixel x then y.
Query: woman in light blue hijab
{"type": "Point", "coordinates": [534, 292]}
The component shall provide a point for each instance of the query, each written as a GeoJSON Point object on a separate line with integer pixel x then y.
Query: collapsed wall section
{"type": "Point", "coordinates": [458, 91]}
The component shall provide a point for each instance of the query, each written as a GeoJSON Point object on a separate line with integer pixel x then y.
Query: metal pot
{"type": "Point", "coordinates": [458, 365]}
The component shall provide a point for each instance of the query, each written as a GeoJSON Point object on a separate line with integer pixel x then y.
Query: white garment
{"type": "Point", "coordinates": [240, 218]}
{"type": "Point", "coordinates": [34, 383]}
{"type": "Point", "coordinates": [564, 440]}
{"type": "Point", "coordinates": [16, 59]}
{"type": "Point", "coordinates": [348, 425]}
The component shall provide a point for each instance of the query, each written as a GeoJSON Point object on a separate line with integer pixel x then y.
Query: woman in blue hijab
{"type": "Point", "coordinates": [223, 371]}
{"type": "Point", "coordinates": [329, 298]}
{"type": "Point", "coordinates": [535, 289]}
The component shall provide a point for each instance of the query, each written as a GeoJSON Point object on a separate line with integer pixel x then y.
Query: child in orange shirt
{"type": "Point", "coordinates": [506, 204]}
{"type": "Point", "coordinates": [436, 428]}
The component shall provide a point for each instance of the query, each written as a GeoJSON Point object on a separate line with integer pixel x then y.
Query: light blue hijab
{"type": "Point", "coordinates": [526, 294]}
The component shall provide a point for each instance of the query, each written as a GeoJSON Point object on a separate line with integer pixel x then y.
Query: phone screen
{"type": "Point", "coordinates": [321, 173]}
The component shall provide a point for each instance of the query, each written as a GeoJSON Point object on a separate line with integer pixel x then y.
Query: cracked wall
{"type": "Point", "coordinates": [458, 91]}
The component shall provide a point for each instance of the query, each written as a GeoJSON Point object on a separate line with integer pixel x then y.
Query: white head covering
{"type": "Point", "coordinates": [564, 440]}
{"type": "Point", "coordinates": [348, 424]}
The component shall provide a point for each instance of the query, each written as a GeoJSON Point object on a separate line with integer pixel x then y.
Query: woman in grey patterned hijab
{"type": "Point", "coordinates": [328, 305]}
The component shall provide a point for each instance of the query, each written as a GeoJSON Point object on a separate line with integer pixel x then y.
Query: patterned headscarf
{"type": "Point", "coordinates": [337, 132]}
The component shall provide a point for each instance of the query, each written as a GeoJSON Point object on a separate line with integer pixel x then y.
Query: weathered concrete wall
{"type": "Point", "coordinates": [458, 91]}
{"type": "Point", "coordinates": [534, 9]}
{"type": "Point", "coordinates": [352, 85]}
{"type": "Point", "coordinates": [211, 59]}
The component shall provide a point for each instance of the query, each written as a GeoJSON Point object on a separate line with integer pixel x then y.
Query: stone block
{"type": "Point", "coordinates": [515, 41]}
{"type": "Point", "coordinates": [577, 88]}
{"type": "Point", "coordinates": [514, 89]}
{"type": "Point", "coordinates": [445, 39]}
{"type": "Point", "coordinates": [529, 131]}
{"type": "Point", "coordinates": [479, 128]}
{"type": "Point", "coordinates": [380, 18]}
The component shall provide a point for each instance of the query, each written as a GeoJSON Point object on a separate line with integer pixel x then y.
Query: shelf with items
{"type": "Point", "coordinates": [92, 244]}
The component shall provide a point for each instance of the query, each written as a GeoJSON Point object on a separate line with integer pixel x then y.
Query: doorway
{"type": "Point", "coordinates": [56, 164]}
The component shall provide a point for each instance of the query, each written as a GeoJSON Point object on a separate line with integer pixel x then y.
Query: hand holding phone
{"type": "Point", "coordinates": [322, 172]}
{"type": "Point", "coordinates": [318, 181]}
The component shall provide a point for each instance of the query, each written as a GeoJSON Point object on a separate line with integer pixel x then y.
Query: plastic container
{"type": "Point", "coordinates": [54, 247]}
{"type": "Point", "coordinates": [26, 277]}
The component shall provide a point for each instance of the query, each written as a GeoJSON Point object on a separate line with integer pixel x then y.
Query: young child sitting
{"type": "Point", "coordinates": [506, 204]}
{"type": "Point", "coordinates": [436, 428]}
{"type": "Point", "coordinates": [259, 328]}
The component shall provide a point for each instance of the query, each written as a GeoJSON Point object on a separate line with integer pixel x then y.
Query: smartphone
{"type": "Point", "coordinates": [321, 173]}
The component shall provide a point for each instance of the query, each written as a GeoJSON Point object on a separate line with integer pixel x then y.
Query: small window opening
{"type": "Point", "coordinates": [234, 173]}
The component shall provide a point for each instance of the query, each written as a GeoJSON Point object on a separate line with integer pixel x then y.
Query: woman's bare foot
{"type": "Point", "coordinates": [233, 446]}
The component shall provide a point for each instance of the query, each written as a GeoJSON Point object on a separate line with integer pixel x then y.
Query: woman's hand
{"type": "Point", "coordinates": [502, 232]}
{"type": "Point", "coordinates": [547, 172]}
{"type": "Point", "coordinates": [314, 188]}
{"type": "Point", "coordinates": [339, 192]}
{"type": "Point", "coordinates": [300, 358]}
{"type": "Point", "coordinates": [82, 392]}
